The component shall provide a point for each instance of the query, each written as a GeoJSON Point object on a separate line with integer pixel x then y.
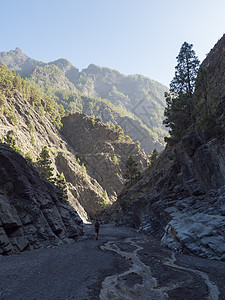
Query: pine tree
{"type": "Point", "coordinates": [132, 172]}
{"type": "Point", "coordinates": [45, 164]}
{"type": "Point", "coordinates": [153, 156]}
{"type": "Point", "coordinates": [180, 101]}
{"type": "Point", "coordinates": [9, 139]}
{"type": "Point", "coordinates": [186, 72]}
{"type": "Point", "coordinates": [60, 183]}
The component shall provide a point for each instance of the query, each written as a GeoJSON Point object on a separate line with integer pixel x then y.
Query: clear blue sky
{"type": "Point", "coordinates": [131, 36]}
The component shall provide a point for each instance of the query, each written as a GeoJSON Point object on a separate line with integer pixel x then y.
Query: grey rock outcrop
{"type": "Point", "coordinates": [33, 213]}
{"type": "Point", "coordinates": [181, 198]}
{"type": "Point", "coordinates": [185, 204]}
{"type": "Point", "coordinates": [99, 146]}
{"type": "Point", "coordinates": [63, 160]}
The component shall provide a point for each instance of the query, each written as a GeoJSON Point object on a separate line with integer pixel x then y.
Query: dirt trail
{"type": "Point", "coordinates": [120, 265]}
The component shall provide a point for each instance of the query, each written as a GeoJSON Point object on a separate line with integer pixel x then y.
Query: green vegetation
{"type": "Point", "coordinates": [11, 115]}
{"type": "Point", "coordinates": [83, 171]}
{"type": "Point", "coordinates": [153, 156]}
{"type": "Point", "coordinates": [81, 159]}
{"type": "Point", "coordinates": [192, 100]}
{"type": "Point", "coordinates": [93, 120]}
{"type": "Point", "coordinates": [138, 144]}
{"type": "Point", "coordinates": [31, 127]}
{"type": "Point", "coordinates": [132, 172]}
{"type": "Point", "coordinates": [104, 200]}
{"type": "Point", "coordinates": [128, 138]}
{"type": "Point", "coordinates": [115, 160]}
{"type": "Point", "coordinates": [119, 132]}
{"type": "Point", "coordinates": [57, 89]}
{"type": "Point", "coordinates": [45, 164]}
{"type": "Point", "coordinates": [32, 140]}
{"type": "Point", "coordinates": [60, 183]}
{"type": "Point", "coordinates": [109, 103]}
{"type": "Point", "coordinates": [180, 100]}
{"type": "Point", "coordinates": [10, 82]}
{"type": "Point", "coordinates": [9, 139]}
{"type": "Point", "coordinates": [29, 157]}
{"type": "Point", "coordinates": [105, 195]}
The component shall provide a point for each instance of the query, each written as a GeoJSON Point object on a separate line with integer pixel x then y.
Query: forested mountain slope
{"type": "Point", "coordinates": [135, 102]}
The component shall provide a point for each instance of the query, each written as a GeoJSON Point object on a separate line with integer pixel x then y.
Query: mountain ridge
{"type": "Point", "coordinates": [137, 96]}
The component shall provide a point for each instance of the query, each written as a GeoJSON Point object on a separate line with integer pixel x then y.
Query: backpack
{"type": "Point", "coordinates": [97, 225]}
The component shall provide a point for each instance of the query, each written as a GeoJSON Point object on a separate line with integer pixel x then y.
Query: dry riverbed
{"type": "Point", "coordinates": [122, 264]}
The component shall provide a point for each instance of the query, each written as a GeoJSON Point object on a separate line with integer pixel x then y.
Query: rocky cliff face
{"type": "Point", "coordinates": [184, 204]}
{"type": "Point", "coordinates": [87, 185]}
{"type": "Point", "coordinates": [214, 62]}
{"type": "Point", "coordinates": [181, 198]}
{"type": "Point", "coordinates": [86, 189]}
{"type": "Point", "coordinates": [45, 133]}
{"type": "Point", "coordinates": [32, 211]}
{"type": "Point", "coordinates": [105, 153]}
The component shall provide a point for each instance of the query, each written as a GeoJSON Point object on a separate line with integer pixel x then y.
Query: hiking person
{"type": "Point", "coordinates": [97, 225]}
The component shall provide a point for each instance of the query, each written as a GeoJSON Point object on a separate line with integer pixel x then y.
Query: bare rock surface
{"type": "Point", "coordinates": [122, 264]}
{"type": "Point", "coordinates": [105, 153]}
{"type": "Point", "coordinates": [33, 213]}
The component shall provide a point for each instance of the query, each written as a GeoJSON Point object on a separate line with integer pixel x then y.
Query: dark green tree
{"type": "Point", "coordinates": [180, 101]}
{"type": "Point", "coordinates": [153, 156]}
{"type": "Point", "coordinates": [186, 71]}
{"type": "Point", "coordinates": [60, 183]}
{"type": "Point", "coordinates": [45, 164]}
{"type": "Point", "coordinates": [132, 172]}
{"type": "Point", "coordinates": [9, 139]}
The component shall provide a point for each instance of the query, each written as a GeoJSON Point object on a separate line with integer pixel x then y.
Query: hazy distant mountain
{"type": "Point", "coordinates": [20, 62]}
{"type": "Point", "coordinates": [134, 102]}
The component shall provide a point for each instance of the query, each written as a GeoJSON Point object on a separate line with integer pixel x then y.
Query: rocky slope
{"type": "Point", "coordinates": [181, 198]}
{"type": "Point", "coordinates": [214, 62]}
{"type": "Point", "coordinates": [102, 149]}
{"type": "Point", "coordinates": [33, 213]}
{"type": "Point", "coordinates": [31, 127]}
{"type": "Point", "coordinates": [79, 129]}
{"type": "Point", "coordinates": [137, 98]}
